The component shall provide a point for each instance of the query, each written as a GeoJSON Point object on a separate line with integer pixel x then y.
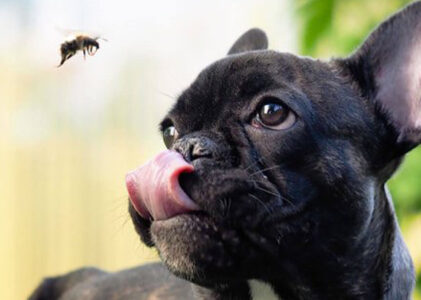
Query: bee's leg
{"type": "Point", "coordinates": [84, 52]}
{"type": "Point", "coordinates": [63, 59]}
{"type": "Point", "coordinates": [94, 49]}
{"type": "Point", "coordinates": [70, 55]}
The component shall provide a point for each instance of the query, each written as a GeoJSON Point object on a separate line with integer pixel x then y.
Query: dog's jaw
{"type": "Point", "coordinates": [201, 249]}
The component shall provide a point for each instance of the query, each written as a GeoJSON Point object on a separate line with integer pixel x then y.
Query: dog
{"type": "Point", "coordinates": [275, 175]}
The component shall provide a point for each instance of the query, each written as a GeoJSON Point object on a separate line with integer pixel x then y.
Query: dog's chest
{"type": "Point", "coordinates": [261, 291]}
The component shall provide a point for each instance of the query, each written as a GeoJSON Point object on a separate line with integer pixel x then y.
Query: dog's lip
{"type": "Point", "coordinates": [154, 189]}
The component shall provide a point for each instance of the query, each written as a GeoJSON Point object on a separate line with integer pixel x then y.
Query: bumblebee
{"type": "Point", "coordinates": [79, 42]}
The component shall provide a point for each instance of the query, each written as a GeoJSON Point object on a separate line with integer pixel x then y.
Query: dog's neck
{"type": "Point", "coordinates": [376, 268]}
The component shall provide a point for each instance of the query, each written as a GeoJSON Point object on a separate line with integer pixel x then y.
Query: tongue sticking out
{"type": "Point", "coordinates": [154, 189]}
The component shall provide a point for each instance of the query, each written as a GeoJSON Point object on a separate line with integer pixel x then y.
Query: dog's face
{"type": "Point", "coordinates": [283, 138]}
{"type": "Point", "coordinates": [288, 153]}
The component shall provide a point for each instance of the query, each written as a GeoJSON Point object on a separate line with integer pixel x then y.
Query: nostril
{"type": "Point", "coordinates": [200, 152]}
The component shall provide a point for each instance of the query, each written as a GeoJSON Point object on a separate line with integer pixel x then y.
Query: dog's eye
{"type": "Point", "coordinates": [274, 115]}
{"type": "Point", "coordinates": [169, 135]}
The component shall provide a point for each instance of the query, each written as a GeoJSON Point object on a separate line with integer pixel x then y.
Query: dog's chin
{"type": "Point", "coordinates": [195, 247]}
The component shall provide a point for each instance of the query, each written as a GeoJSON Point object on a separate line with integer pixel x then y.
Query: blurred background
{"type": "Point", "coordinates": [69, 135]}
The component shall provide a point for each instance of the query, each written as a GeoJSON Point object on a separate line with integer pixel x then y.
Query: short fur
{"type": "Point", "coordinates": [304, 209]}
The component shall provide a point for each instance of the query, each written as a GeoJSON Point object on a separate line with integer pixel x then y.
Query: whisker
{"type": "Point", "coordinates": [119, 228]}
{"type": "Point", "coordinates": [229, 206]}
{"type": "Point", "coordinates": [253, 164]}
{"type": "Point", "coordinates": [225, 206]}
{"type": "Point", "coordinates": [267, 191]}
{"type": "Point", "coordinates": [282, 197]}
{"type": "Point", "coordinates": [266, 169]}
{"type": "Point", "coordinates": [167, 95]}
{"type": "Point", "coordinates": [288, 200]}
{"type": "Point", "coordinates": [264, 190]}
{"type": "Point", "coordinates": [261, 202]}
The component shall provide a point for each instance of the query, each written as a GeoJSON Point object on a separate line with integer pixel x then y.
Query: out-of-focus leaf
{"type": "Point", "coordinates": [405, 186]}
{"type": "Point", "coordinates": [316, 16]}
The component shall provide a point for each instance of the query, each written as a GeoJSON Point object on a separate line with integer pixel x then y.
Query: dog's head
{"type": "Point", "coordinates": [281, 157]}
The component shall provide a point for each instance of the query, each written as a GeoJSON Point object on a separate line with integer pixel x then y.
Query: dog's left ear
{"type": "Point", "coordinates": [387, 69]}
{"type": "Point", "coordinates": [253, 39]}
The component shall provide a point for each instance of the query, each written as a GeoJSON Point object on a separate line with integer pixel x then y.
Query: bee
{"type": "Point", "coordinates": [78, 42]}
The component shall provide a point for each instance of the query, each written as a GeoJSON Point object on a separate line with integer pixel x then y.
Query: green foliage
{"type": "Point", "coordinates": [333, 27]}
{"type": "Point", "coordinates": [406, 185]}
{"type": "Point", "coordinates": [318, 19]}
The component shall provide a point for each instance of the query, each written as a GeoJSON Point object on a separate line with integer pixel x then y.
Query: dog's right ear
{"type": "Point", "coordinates": [253, 39]}
{"type": "Point", "coordinates": [387, 70]}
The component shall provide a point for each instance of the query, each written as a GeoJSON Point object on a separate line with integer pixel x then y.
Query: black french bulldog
{"type": "Point", "coordinates": [276, 172]}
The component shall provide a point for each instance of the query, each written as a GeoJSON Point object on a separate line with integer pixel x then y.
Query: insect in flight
{"type": "Point", "coordinates": [79, 42]}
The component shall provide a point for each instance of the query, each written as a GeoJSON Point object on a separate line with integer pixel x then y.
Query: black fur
{"type": "Point", "coordinates": [304, 209]}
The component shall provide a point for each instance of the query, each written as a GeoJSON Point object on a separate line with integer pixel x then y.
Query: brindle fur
{"type": "Point", "coordinates": [306, 209]}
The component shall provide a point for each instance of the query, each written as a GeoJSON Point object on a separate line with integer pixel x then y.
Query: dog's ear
{"type": "Point", "coordinates": [387, 69]}
{"type": "Point", "coordinates": [253, 39]}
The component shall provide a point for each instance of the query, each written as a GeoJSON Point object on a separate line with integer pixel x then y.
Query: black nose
{"type": "Point", "coordinates": [195, 147]}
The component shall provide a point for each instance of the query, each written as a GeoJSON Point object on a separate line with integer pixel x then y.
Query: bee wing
{"type": "Point", "coordinates": [72, 33]}
{"type": "Point", "coordinates": [69, 34]}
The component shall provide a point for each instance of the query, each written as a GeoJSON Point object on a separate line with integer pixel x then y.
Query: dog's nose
{"type": "Point", "coordinates": [200, 150]}
{"type": "Point", "coordinates": [195, 147]}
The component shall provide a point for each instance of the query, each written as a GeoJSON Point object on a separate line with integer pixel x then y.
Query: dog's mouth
{"type": "Point", "coordinates": [201, 216]}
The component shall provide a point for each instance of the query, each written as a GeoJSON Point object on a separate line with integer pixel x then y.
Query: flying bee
{"type": "Point", "coordinates": [79, 42]}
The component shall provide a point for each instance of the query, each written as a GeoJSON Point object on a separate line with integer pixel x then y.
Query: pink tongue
{"type": "Point", "coordinates": [154, 189]}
